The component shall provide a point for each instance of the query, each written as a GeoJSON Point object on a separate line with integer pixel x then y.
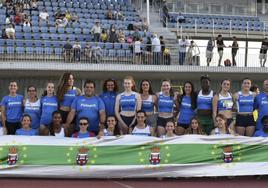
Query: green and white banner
{"type": "Point", "coordinates": [132, 156]}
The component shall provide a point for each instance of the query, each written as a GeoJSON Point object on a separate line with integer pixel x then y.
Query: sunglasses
{"type": "Point", "coordinates": [83, 124]}
{"type": "Point", "coordinates": [31, 90]}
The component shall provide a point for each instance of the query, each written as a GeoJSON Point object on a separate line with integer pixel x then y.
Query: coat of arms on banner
{"type": "Point", "coordinates": [155, 156]}
{"type": "Point", "coordinates": [82, 156]}
{"type": "Point", "coordinates": [227, 154]}
{"type": "Point", "coordinates": [12, 156]}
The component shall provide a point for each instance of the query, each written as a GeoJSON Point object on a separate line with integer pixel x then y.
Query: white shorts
{"type": "Point", "coordinates": [263, 56]}
{"type": "Point", "coordinates": [209, 54]}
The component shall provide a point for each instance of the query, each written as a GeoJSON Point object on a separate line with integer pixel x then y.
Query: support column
{"type": "Point", "coordinates": [263, 10]}
{"type": "Point", "coordinates": [246, 53]}
{"type": "Point", "coordinates": [148, 12]}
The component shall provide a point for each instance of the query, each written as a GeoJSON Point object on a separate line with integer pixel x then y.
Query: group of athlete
{"type": "Point", "coordinates": [67, 112]}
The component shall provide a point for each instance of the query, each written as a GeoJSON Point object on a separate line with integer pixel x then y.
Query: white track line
{"type": "Point", "coordinates": [122, 184]}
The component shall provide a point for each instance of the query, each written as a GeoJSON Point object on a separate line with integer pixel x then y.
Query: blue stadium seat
{"type": "Point", "coordinates": [58, 51]}
{"type": "Point", "coordinates": [38, 43]}
{"type": "Point", "coordinates": [48, 43]}
{"type": "Point", "coordinates": [69, 30]}
{"type": "Point", "coordinates": [48, 51]}
{"type": "Point", "coordinates": [10, 42]}
{"type": "Point", "coordinates": [27, 29]}
{"type": "Point", "coordinates": [39, 50]}
{"type": "Point", "coordinates": [45, 36]}
{"type": "Point", "coordinates": [35, 29]}
{"type": "Point", "coordinates": [108, 46]}
{"type": "Point", "coordinates": [112, 53]}
{"type": "Point", "coordinates": [27, 36]}
{"type": "Point", "coordinates": [117, 46]}
{"type": "Point", "coordinates": [2, 50]}
{"type": "Point", "coordinates": [121, 53]}
{"type": "Point", "coordinates": [20, 50]}
{"type": "Point", "coordinates": [30, 50]}
{"type": "Point", "coordinates": [44, 29]}
{"type": "Point", "coordinates": [61, 30]}
{"type": "Point", "coordinates": [10, 50]}
{"type": "Point", "coordinates": [29, 43]}
{"type": "Point", "coordinates": [19, 43]}
{"type": "Point", "coordinates": [54, 36]}
{"type": "Point", "coordinates": [52, 29]}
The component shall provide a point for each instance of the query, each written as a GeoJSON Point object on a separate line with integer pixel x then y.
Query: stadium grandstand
{"type": "Point", "coordinates": [153, 89]}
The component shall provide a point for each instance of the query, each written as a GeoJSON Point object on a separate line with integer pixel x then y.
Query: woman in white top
{"type": "Point", "coordinates": [170, 130]}
{"type": "Point", "coordinates": [112, 128]}
{"type": "Point", "coordinates": [127, 104]}
{"type": "Point", "coordinates": [221, 126]}
{"type": "Point", "coordinates": [56, 127]}
{"type": "Point", "coordinates": [141, 128]}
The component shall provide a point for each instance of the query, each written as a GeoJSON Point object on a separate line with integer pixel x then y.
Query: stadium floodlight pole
{"type": "Point", "coordinates": [148, 12]}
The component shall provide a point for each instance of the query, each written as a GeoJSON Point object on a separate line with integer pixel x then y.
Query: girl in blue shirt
{"type": "Point", "coordinates": [26, 129]}
{"type": "Point", "coordinates": [66, 93]}
{"type": "Point", "coordinates": [32, 107]}
{"type": "Point", "coordinates": [49, 104]}
{"type": "Point", "coordinates": [108, 96]}
{"type": "Point", "coordinates": [186, 107]}
{"type": "Point", "coordinates": [244, 101]}
{"type": "Point", "coordinates": [12, 109]}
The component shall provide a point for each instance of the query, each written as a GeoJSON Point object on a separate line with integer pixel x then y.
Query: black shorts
{"type": "Point", "coordinates": [64, 116]}
{"type": "Point", "coordinates": [127, 120]}
{"type": "Point", "coordinates": [12, 127]}
{"type": "Point", "coordinates": [163, 121]}
{"type": "Point", "coordinates": [185, 126]}
{"type": "Point", "coordinates": [245, 120]}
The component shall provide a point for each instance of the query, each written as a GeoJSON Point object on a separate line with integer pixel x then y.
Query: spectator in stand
{"type": "Point", "coordinates": [109, 15]}
{"type": "Point", "coordinates": [10, 32]}
{"type": "Point", "coordinates": [34, 5]}
{"type": "Point", "coordinates": [77, 51]}
{"type": "Point", "coordinates": [61, 22]}
{"type": "Point", "coordinates": [68, 16]}
{"type": "Point", "coordinates": [108, 96]}
{"type": "Point", "coordinates": [130, 39]}
{"type": "Point", "coordinates": [118, 15]}
{"type": "Point", "coordinates": [209, 51]}
{"type": "Point", "coordinates": [148, 53]}
{"type": "Point", "coordinates": [264, 131]}
{"type": "Point", "coordinates": [156, 49]}
{"type": "Point", "coordinates": [67, 51]}
{"type": "Point", "coordinates": [88, 52]}
{"type": "Point", "coordinates": [96, 30]}
{"type": "Point", "coordinates": [18, 18]}
{"type": "Point", "coordinates": [220, 45]}
{"type": "Point", "coordinates": [43, 16]}
{"type": "Point", "coordinates": [183, 44]}
{"type": "Point", "coordinates": [104, 35]}
{"type": "Point", "coordinates": [180, 18]}
{"type": "Point", "coordinates": [145, 25]}
{"type": "Point", "coordinates": [165, 14]}
{"type": "Point", "coordinates": [235, 48]}
{"type": "Point", "coordinates": [263, 52]}
{"type": "Point", "coordinates": [112, 34]}
{"type": "Point", "coordinates": [137, 51]}
{"type": "Point", "coordinates": [136, 35]}
{"type": "Point", "coordinates": [89, 106]}
{"type": "Point", "coordinates": [96, 52]}
{"type": "Point", "coordinates": [121, 36]}
{"type": "Point", "coordinates": [11, 108]}
{"type": "Point", "coordinates": [192, 52]}
{"type": "Point", "coordinates": [163, 47]}
{"type": "Point", "coordinates": [8, 20]}
{"type": "Point", "coordinates": [27, 22]}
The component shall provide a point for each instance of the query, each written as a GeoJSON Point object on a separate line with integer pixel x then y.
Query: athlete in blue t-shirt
{"type": "Point", "coordinates": [66, 93]}
{"type": "Point", "coordinates": [12, 108]}
{"type": "Point", "coordinates": [83, 129]}
{"type": "Point", "coordinates": [244, 101]}
{"type": "Point", "coordinates": [49, 104]}
{"type": "Point", "coordinates": [32, 107]}
{"type": "Point", "coordinates": [261, 104]}
{"type": "Point", "coordinates": [108, 96]}
{"type": "Point", "coordinates": [26, 129]}
{"type": "Point", "coordinates": [264, 131]}
{"type": "Point", "coordinates": [186, 107]}
{"type": "Point", "coordinates": [127, 104]}
{"type": "Point", "coordinates": [89, 106]}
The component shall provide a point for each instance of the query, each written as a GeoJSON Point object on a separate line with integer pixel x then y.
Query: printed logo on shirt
{"type": "Point", "coordinates": [49, 104]}
{"type": "Point", "coordinates": [88, 105]}
{"type": "Point", "coordinates": [14, 103]}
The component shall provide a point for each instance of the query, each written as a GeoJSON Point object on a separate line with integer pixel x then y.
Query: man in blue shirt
{"type": "Point", "coordinates": [89, 106]}
{"type": "Point", "coordinates": [263, 132]}
{"type": "Point", "coordinates": [261, 103]}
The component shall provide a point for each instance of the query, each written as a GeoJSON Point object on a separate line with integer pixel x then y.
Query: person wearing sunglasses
{"type": "Point", "coordinates": [83, 129]}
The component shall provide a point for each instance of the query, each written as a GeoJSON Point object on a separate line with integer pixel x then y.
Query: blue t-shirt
{"type": "Point", "coordinates": [261, 103]}
{"type": "Point", "coordinates": [186, 111]}
{"type": "Point", "coordinates": [165, 103]}
{"type": "Point", "coordinates": [34, 110]}
{"type": "Point", "coordinates": [69, 97]}
{"type": "Point", "coordinates": [83, 135]}
{"type": "Point", "coordinates": [13, 107]}
{"type": "Point", "coordinates": [48, 106]}
{"type": "Point", "coordinates": [260, 133]}
{"type": "Point", "coordinates": [89, 107]}
{"type": "Point", "coordinates": [245, 103]}
{"type": "Point", "coordinates": [24, 132]}
{"type": "Point", "coordinates": [108, 99]}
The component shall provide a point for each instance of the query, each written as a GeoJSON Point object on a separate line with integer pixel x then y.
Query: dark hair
{"type": "Point", "coordinates": [116, 128]}
{"type": "Point", "coordinates": [89, 82]}
{"type": "Point", "coordinates": [199, 129]}
{"type": "Point", "coordinates": [172, 123]}
{"type": "Point", "coordinates": [51, 127]}
{"type": "Point", "coordinates": [26, 115]}
{"type": "Point", "coordinates": [245, 79]}
{"type": "Point", "coordinates": [222, 83]}
{"type": "Point", "coordinates": [30, 87]}
{"type": "Point", "coordinates": [254, 88]}
{"type": "Point", "coordinates": [84, 118]}
{"type": "Point", "coordinates": [171, 92]}
{"type": "Point", "coordinates": [63, 86]}
{"type": "Point", "coordinates": [104, 88]}
{"type": "Point", "coordinates": [141, 111]}
{"type": "Point", "coordinates": [45, 92]}
{"type": "Point", "coordinates": [205, 77]}
{"type": "Point", "coordinates": [150, 87]}
{"type": "Point", "coordinates": [193, 95]}
{"type": "Point", "coordinates": [264, 118]}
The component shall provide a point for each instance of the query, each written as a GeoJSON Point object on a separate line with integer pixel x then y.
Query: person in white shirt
{"type": "Point", "coordinates": [43, 16]}
{"type": "Point", "coordinates": [96, 30]}
{"type": "Point", "coordinates": [141, 128]}
{"type": "Point", "coordinates": [137, 51]}
{"type": "Point", "coordinates": [10, 32]}
{"type": "Point", "coordinates": [156, 49]}
{"type": "Point", "coordinates": [183, 44]}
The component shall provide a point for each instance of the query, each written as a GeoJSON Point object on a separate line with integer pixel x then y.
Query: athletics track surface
{"type": "Point", "coordinates": [238, 182]}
